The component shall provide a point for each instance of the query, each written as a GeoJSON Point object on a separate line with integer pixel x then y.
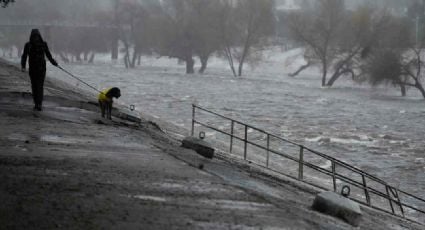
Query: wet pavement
{"type": "Point", "coordinates": [65, 168]}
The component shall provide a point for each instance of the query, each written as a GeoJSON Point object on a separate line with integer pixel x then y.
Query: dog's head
{"type": "Point", "coordinates": [114, 92]}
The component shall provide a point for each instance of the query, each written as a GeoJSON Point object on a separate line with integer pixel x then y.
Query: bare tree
{"type": "Point", "coordinates": [257, 20]}
{"type": "Point", "coordinates": [392, 67]}
{"type": "Point", "coordinates": [129, 15]}
{"type": "Point", "coordinates": [4, 3]}
{"type": "Point", "coordinates": [319, 31]}
{"type": "Point", "coordinates": [412, 73]}
{"type": "Point", "coordinates": [228, 31]}
{"type": "Point", "coordinates": [188, 28]}
{"type": "Point", "coordinates": [337, 39]}
{"type": "Point", "coordinates": [244, 24]}
{"type": "Point", "coordinates": [115, 32]}
{"type": "Point", "coordinates": [206, 29]}
{"type": "Point", "coordinates": [362, 29]}
{"type": "Point", "coordinates": [397, 58]}
{"type": "Point", "coordinates": [176, 31]}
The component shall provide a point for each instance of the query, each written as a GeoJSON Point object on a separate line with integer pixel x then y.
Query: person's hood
{"type": "Point", "coordinates": [34, 34]}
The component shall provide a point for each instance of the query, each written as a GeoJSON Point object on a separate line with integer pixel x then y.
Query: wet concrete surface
{"type": "Point", "coordinates": [64, 168]}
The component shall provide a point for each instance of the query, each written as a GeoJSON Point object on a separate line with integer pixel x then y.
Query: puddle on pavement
{"type": "Point", "coordinates": [73, 110]}
{"type": "Point", "coordinates": [45, 138]}
{"type": "Point", "coordinates": [21, 148]}
{"type": "Point", "coordinates": [148, 198]}
{"type": "Point", "coordinates": [240, 205]}
{"type": "Point", "coordinates": [198, 187]}
{"type": "Point", "coordinates": [56, 172]}
{"type": "Point", "coordinates": [225, 204]}
{"type": "Point", "coordinates": [65, 116]}
{"type": "Point", "coordinates": [220, 225]}
{"type": "Point", "coordinates": [18, 137]}
{"type": "Point", "coordinates": [58, 139]}
{"type": "Point", "coordinates": [66, 140]}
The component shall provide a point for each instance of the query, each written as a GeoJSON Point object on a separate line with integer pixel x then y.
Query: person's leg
{"type": "Point", "coordinates": [40, 95]}
{"type": "Point", "coordinates": [37, 85]}
{"type": "Point", "coordinates": [34, 89]}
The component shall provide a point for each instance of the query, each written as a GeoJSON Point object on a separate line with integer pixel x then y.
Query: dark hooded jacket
{"type": "Point", "coordinates": [36, 49]}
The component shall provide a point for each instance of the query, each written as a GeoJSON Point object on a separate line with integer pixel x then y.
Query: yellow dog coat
{"type": "Point", "coordinates": [102, 96]}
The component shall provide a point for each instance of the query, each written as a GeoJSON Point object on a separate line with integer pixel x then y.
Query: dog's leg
{"type": "Point", "coordinates": [109, 110]}
{"type": "Point", "coordinates": [102, 108]}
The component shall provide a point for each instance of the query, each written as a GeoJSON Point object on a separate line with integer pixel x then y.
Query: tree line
{"type": "Point", "coordinates": [185, 29]}
{"type": "Point", "coordinates": [367, 43]}
{"type": "Point", "coordinates": [182, 29]}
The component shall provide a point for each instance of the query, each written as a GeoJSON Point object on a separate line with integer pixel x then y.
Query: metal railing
{"type": "Point", "coordinates": [388, 193]}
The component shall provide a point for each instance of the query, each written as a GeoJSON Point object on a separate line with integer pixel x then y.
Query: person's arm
{"type": "Point", "coordinates": [49, 56]}
{"type": "Point", "coordinates": [24, 56]}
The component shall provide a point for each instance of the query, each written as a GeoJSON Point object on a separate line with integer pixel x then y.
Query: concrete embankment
{"type": "Point", "coordinates": [65, 168]}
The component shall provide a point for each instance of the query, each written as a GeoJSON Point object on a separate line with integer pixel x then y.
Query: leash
{"type": "Point", "coordinates": [132, 107]}
{"type": "Point", "coordinates": [79, 79]}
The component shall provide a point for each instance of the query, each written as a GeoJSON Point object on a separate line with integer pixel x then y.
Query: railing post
{"type": "Point", "coordinates": [333, 174]}
{"type": "Point", "coordinates": [193, 120]}
{"type": "Point", "coordinates": [245, 142]}
{"type": "Point", "coordinates": [394, 192]}
{"type": "Point", "coordinates": [232, 126]}
{"type": "Point", "coordinates": [389, 199]}
{"type": "Point", "coordinates": [268, 150]}
{"type": "Point", "coordinates": [301, 164]}
{"type": "Point", "coordinates": [399, 202]}
{"type": "Point", "coordinates": [366, 190]}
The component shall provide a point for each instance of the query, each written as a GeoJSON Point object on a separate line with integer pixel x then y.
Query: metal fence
{"type": "Point", "coordinates": [368, 189]}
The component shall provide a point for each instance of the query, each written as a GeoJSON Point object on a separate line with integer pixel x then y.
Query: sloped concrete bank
{"type": "Point", "coordinates": [65, 168]}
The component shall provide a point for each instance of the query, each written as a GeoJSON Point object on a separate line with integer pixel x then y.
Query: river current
{"type": "Point", "coordinates": [371, 128]}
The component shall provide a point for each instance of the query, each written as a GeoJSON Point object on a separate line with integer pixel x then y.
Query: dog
{"type": "Point", "coordinates": [106, 100]}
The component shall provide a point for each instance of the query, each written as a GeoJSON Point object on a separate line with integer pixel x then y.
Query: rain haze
{"type": "Point", "coordinates": [343, 78]}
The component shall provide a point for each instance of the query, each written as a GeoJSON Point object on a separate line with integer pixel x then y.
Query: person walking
{"type": "Point", "coordinates": [36, 49]}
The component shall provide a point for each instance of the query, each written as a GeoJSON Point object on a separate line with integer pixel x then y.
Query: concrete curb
{"type": "Point", "coordinates": [200, 146]}
{"type": "Point", "coordinates": [338, 206]}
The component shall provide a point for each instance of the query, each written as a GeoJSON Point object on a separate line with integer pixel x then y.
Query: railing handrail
{"type": "Point", "coordinates": [392, 199]}
{"type": "Point", "coordinates": [297, 144]}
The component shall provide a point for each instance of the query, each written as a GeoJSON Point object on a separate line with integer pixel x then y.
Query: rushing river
{"type": "Point", "coordinates": [372, 128]}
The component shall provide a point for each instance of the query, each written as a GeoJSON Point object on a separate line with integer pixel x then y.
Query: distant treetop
{"type": "Point", "coordinates": [4, 3]}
